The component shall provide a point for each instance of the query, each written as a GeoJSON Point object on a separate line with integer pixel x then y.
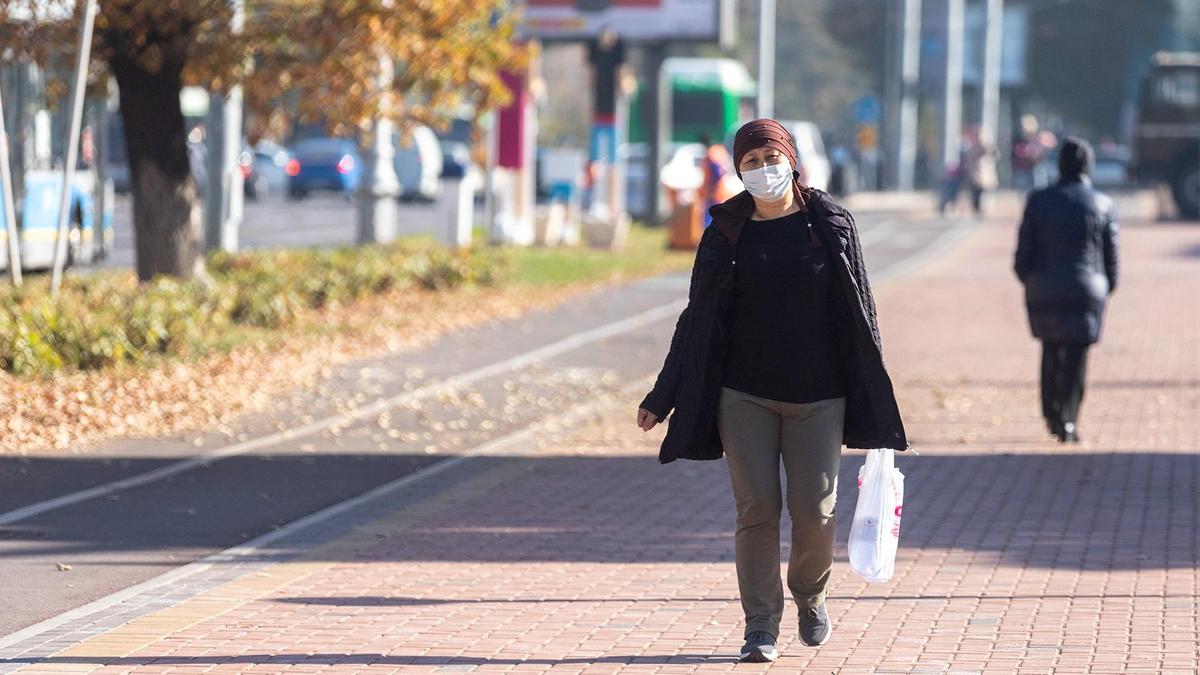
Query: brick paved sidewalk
{"type": "Point", "coordinates": [582, 555]}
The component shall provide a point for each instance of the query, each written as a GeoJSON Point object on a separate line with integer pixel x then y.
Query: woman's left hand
{"type": "Point", "coordinates": [646, 420]}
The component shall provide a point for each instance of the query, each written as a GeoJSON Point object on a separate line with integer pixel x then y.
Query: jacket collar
{"type": "Point", "coordinates": [730, 216]}
{"type": "Point", "coordinates": [1082, 178]}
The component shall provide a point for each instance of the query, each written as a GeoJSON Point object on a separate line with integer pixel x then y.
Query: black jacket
{"type": "Point", "coordinates": [690, 380]}
{"type": "Point", "coordinates": [1067, 259]}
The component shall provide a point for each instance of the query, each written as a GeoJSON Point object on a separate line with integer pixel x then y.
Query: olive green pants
{"type": "Point", "coordinates": [757, 433]}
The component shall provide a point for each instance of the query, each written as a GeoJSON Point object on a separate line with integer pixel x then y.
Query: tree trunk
{"type": "Point", "coordinates": [168, 234]}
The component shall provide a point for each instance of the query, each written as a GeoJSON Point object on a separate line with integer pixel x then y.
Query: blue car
{"type": "Point", "coordinates": [323, 164]}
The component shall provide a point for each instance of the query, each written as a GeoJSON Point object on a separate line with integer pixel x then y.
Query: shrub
{"type": "Point", "coordinates": [102, 320]}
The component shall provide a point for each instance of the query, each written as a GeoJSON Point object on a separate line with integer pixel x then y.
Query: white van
{"type": "Point", "coordinates": [418, 164]}
{"type": "Point", "coordinates": [810, 149]}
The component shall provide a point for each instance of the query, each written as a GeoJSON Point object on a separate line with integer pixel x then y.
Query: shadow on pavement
{"type": "Point", "coordinates": [1032, 386]}
{"type": "Point", "coordinates": [366, 660]}
{"type": "Point", "coordinates": [1092, 511]}
{"type": "Point", "coordinates": [385, 601]}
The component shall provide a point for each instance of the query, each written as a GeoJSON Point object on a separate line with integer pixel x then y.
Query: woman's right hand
{"type": "Point", "coordinates": [646, 420]}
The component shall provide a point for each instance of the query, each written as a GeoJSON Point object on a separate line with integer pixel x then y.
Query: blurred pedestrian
{"type": "Point", "coordinates": [979, 166]}
{"type": "Point", "coordinates": [717, 166]}
{"type": "Point", "coordinates": [1047, 143]}
{"type": "Point", "coordinates": [197, 151]}
{"type": "Point", "coordinates": [839, 160]}
{"type": "Point", "coordinates": [1067, 259]}
{"type": "Point", "coordinates": [952, 178]}
{"type": "Point", "coordinates": [777, 358]}
{"type": "Point", "coordinates": [1026, 154]}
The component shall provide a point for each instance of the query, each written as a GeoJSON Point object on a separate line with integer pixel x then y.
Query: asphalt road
{"type": "Point", "coordinates": [274, 221]}
{"type": "Point", "coordinates": [509, 375]}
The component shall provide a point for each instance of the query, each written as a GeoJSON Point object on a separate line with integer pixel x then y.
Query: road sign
{"type": "Point", "coordinates": [867, 110]}
{"type": "Point", "coordinates": [867, 137]}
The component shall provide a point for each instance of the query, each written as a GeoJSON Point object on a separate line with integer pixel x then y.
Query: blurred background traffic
{"type": "Point", "coordinates": [562, 120]}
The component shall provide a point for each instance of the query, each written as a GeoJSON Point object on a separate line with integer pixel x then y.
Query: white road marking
{"type": "Point", "coordinates": [669, 310]}
{"type": "Point", "coordinates": [876, 233]}
{"type": "Point", "coordinates": [520, 438]}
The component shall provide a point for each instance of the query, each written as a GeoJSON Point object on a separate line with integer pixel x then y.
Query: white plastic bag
{"type": "Point", "coordinates": [875, 533]}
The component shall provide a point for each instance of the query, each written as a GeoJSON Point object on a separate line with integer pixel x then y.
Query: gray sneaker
{"type": "Point", "coordinates": [759, 648]}
{"type": "Point", "coordinates": [815, 627]}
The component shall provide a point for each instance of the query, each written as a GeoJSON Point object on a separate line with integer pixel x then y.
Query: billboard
{"type": "Point", "coordinates": [633, 20]}
{"type": "Point", "coordinates": [1014, 33]}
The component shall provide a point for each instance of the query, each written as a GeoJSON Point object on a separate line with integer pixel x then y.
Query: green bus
{"type": "Point", "coordinates": [701, 96]}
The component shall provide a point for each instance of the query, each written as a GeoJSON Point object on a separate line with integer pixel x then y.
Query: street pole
{"type": "Point", "coordinates": [952, 105]}
{"type": "Point", "coordinates": [12, 234]}
{"type": "Point", "coordinates": [100, 150]}
{"type": "Point", "coordinates": [905, 32]}
{"type": "Point", "coordinates": [226, 197]}
{"type": "Point", "coordinates": [908, 110]}
{"type": "Point", "coordinates": [60, 235]}
{"type": "Point", "coordinates": [766, 58]}
{"type": "Point", "coordinates": [990, 89]}
{"type": "Point", "coordinates": [489, 182]}
{"type": "Point", "coordinates": [657, 133]}
{"type": "Point", "coordinates": [380, 186]}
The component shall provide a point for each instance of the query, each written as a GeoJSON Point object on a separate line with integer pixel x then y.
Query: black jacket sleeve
{"type": "Point", "coordinates": [661, 399]}
{"type": "Point", "coordinates": [1111, 256]}
{"type": "Point", "coordinates": [1026, 240]}
{"type": "Point", "coordinates": [858, 268]}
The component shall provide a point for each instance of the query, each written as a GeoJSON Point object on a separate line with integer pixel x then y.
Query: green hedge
{"type": "Point", "coordinates": [106, 319]}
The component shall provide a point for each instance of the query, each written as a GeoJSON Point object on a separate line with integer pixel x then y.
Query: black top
{"type": "Point", "coordinates": [606, 62]}
{"type": "Point", "coordinates": [783, 339]}
{"type": "Point", "coordinates": [1068, 260]}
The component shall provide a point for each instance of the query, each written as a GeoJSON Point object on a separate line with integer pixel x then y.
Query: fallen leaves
{"type": "Point", "coordinates": [73, 410]}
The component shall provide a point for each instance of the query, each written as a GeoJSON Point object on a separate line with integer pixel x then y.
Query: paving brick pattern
{"type": "Point", "coordinates": [584, 556]}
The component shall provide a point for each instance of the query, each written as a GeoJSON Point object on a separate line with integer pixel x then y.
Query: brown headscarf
{"type": "Point", "coordinates": [759, 133]}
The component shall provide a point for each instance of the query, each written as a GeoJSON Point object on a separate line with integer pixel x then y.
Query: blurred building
{"type": "Point", "coordinates": [1185, 28]}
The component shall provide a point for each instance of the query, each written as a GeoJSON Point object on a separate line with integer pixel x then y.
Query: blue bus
{"type": "Point", "coordinates": [89, 234]}
{"type": "Point", "coordinates": [38, 145]}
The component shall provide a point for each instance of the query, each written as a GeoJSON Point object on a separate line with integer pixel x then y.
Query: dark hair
{"type": "Point", "coordinates": [1075, 158]}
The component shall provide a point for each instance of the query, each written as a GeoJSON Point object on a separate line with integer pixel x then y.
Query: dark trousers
{"type": "Point", "coordinates": [1064, 368]}
{"type": "Point", "coordinates": [977, 199]}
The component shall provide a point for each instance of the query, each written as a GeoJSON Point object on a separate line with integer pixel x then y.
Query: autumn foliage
{"type": "Point", "coordinates": [298, 60]}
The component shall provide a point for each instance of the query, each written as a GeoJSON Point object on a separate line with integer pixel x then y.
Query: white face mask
{"type": "Point", "coordinates": [770, 183]}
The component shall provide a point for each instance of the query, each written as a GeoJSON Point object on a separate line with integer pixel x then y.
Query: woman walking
{"type": "Point", "coordinates": [1067, 259]}
{"type": "Point", "coordinates": [777, 358]}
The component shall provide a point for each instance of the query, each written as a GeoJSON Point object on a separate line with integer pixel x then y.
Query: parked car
{"type": "Point", "coordinates": [1112, 167]}
{"type": "Point", "coordinates": [419, 160]}
{"type": "Point", "coordinates": [1109, 172]}
{"type": "Point", "coordinates": [264, 169]}
{"type": "Point", "coordinates": [323, 163]}
{"type": "Point", "coordinates": [810, 151]}
{"type": "Point", "coordinates": [456, 162]}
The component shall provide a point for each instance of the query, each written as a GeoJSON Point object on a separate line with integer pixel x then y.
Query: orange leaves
{"type": "Point", "coordinates": [447, 53]}
{"type": "Point", "coordinates": [307, 59]}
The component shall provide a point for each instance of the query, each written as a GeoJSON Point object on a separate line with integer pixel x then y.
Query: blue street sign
{"type": "Point", "coordinates": [867, 110]}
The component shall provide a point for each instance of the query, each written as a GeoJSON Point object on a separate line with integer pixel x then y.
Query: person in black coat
{"type": "Point", "coordinates": [777, 359]}
{"type": "Point", "coordinates": [1067, 259]}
